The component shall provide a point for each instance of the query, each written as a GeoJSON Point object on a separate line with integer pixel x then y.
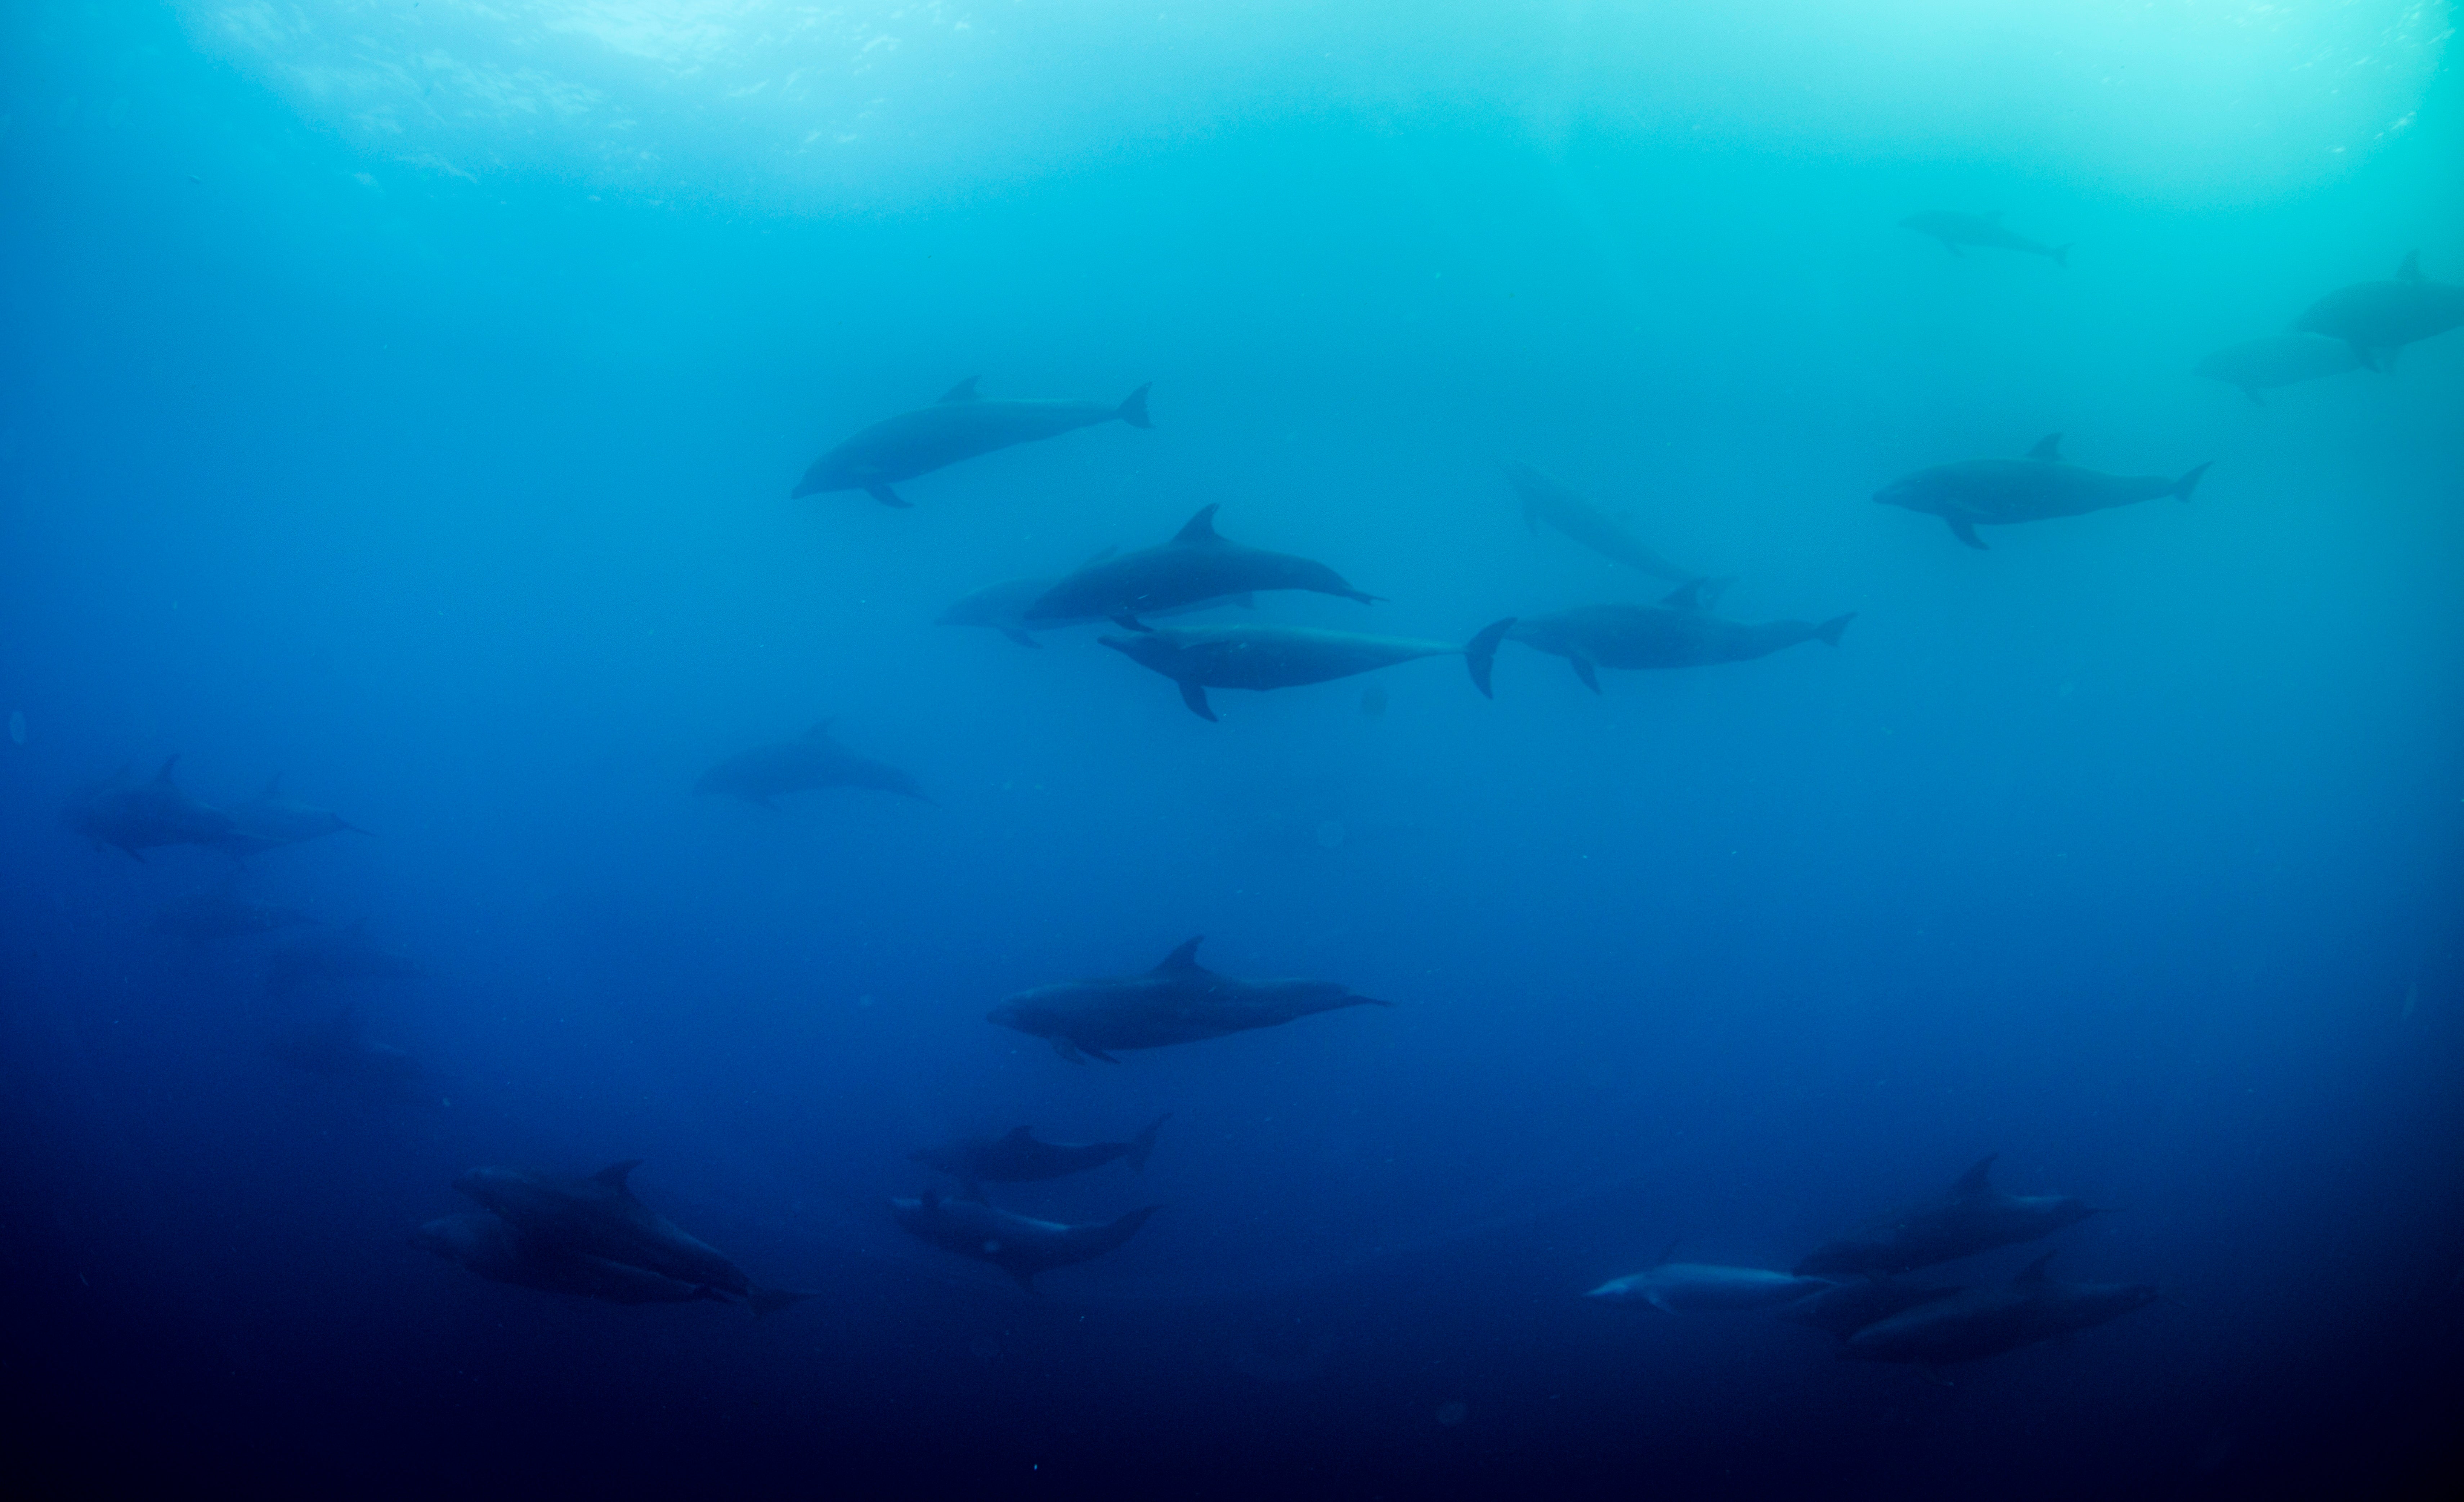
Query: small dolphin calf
{"type": "Point", "coordinates": [1017, 1245]}
{"type": "Point", "coordinates": [2262, 364]}
{"type": "Point", "coordinates": [1543, 499]}
{"type": "Point", "coordinates": [1955, 229]}
{"type": "Point", "coordinates": [1283, 656]}
{"type": "Point", "coordinates": [1196, 564]}
{"type": "Point", "coordinates": [600, 1217]}
{"type": "Point", "coordinates": [142, 816]}
{"type": "Point", "coordinates": [2376, 319]}
{"type": "Point", "coordinates": [270, 819]}
{"type": "Point", "coordinates": [1845, 1307]}
{"type": "Point", "coordinates": [495, 1251]}
{"type": "Point", "coordinates": [203, 916]}
{"type": "Point", "coordinates": [1176, 1001]}
{"type": "Point", "coordinates": [1983, 1322]}
{"type": "Point", "coordinates": [1678, 632]}
{"type": "Point", "coordinates": [1017, 1158]}
{"type": "Point", "coordinates": [960, 426]}
{"type": "Point", "coordinates": [1686, 1287]}
{"type": "Point", "coordinates": [1975, 493]}
{"type": "Point", "coordinates": [1973, 1217]}
{"type": "Point", "coordinates": [331, 954]}
{"type": "Point", "coordinates": [814, 759]}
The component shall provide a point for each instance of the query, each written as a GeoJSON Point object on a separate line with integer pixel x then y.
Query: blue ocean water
{"type": "Point", "coordinates": [405, 399]}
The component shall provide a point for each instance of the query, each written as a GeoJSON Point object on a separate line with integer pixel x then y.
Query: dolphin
{"type": "Point", "coordinates": [1003, 607]}
{"type": "Point", "coordinates": [141, 816]}
{"type": "Point", "coordinates": [2375, 319]}
{"type": "Point", "coordinates": [1543, 499]}
{"type": "Point", "coordinates": [1198, 564]}
{"type": "Point", "coordinates": [1988, 1321]}
{"type": "Point", "coordinates": [2260, 365]}
{"type": "Point", "coordinates": [1678, 632]}
{"type": "Point", "coordinates": [335, 953]}
{"type": "Point", "coordinates": [1999, 491]}
{"type": "Point", "coordinates": [1015, 1243]}
{"type": "Point", "coordinates": [1686, 1287]}
{"type": "Point", "coordinates": [339, 1050]}
{"type": "Point", "coordinates": [960, 426]}
{"type": "Point", "coordinates": [1973, 1217]}
{"type": "Point", "coordinates": [495, 1251]}
{"type": "Point", "coordinates": [1283, 656]}
{"type": "Point", "coordinates": [1016, 1157]}
{"type": "Point", "coordinates": [1176, 1001]}
{"type": "Point", "coordinates": [1955, 229]}
{"type": "Point", "coordinates": [1845, 1307]}
{"type": "Point", "coordinates": [203, 916]}
{"type": "Point", "coordinates": [600, 1217]}
{"type": "Point", "coordinates": [811, 760]}
{"type": "Point", "coordinates": [270, 819]}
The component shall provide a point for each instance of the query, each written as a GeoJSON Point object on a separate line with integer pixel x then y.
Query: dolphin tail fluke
{"type": "Point", "coordinates": [2063, 256]}
{"type": "Point", "coordinates": [2190, 482]}
{"type": "Point", "coordinates": [771, 1300]}
{"type": "Point", "coordinates": [1584, 671]}
{"type": "Point", "coordinates": [1194, 695]}
{"type": "Point", "coordinates": [1143, 1144]}
{"type": "Point", "coordinates": [1479, 654]}
{"type": "Point", "coordinates": [1830, 629]}
{"type": "Point", "coordinates": [1966, 531]}
{"type": "Point", "coordinates": [1133, 410]}
{"type": "Point", "coordinates": [888, 496]}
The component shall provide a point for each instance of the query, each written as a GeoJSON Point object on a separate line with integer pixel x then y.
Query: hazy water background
{"type": "Point", "coordinates": [435, 455]}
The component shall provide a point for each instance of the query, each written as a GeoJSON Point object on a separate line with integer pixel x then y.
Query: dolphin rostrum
{"type": "Point", "coordinates": [1985, 231]}
{"type": "Point", "coordinates": [1283, 656]}
{"type": "Point", "coordinates": [141, 816]}
{"type": "Point", "coordinates": [1974, 493]}
{"type": "Point", "coordinates": [270, 819]}
{"type": "Point", "coordinates": [1686, 1287]}
{"type": "Point", "coordinates": [1545, 499]}
{"type": "Point", "coordinates": [1179, 1000]}
{"type": "Point", "coordinates": [600, 1217]}
{"type": "Point", "coordinates": [2375, 319]}
{"type": "Point", "coordinates": [1196, 565]}
{"type": "Point", "coordinates": [1678, 632]}
{"type": "Point", "coordinates": [811, 760]}
{"type": "Point", "coordinates": [1973, 1217]}
{"type": "Point", "coordinates": [487, 1246]}
{"type": "Point", "coordinates": [1015, 1243]}
{"type": "Point", "coordinates": [2260, 365]}
{"type": "Point", "coordinates": [1017, 1158]}
{"type": "Point", "coordinates": [960, 426]}
{"type": "Point", "coordinates": [1988, 1321]}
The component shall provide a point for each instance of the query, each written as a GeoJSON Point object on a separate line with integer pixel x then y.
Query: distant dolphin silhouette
{"type": "Point", "coordinates": [1974, 493]}
{"type": "Point", "coordinates": [1955, 229]}
{"type": "Point", "coordinates": [1285, 657]}
{"type": "Point", "coordinates": [960, 426]}
{"type": "Point", "coordinates": [2376, 319]}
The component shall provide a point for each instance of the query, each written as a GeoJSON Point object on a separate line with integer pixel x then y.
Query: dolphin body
{"type": "Point", "coordinates": [1845, 1307]}
{"type": "Point", "coordinates": [1543, 499]}
{"type": "Point", "coordinates": [1017, 1158]}
{"type": "Point", "coordinates": [269, 820]}
{"type": "Point", "coordinates": [1988, 1321]}
{"type": "Point", "coordinates": [1973, 1217]}
{"type": "Point", "coordinates": [1678, 632]}
{"type": "Point", "coordinates": [1003, 607]}
{"type": "Point", "coordinates": [2375, 319]}
{"type": "Point", "coordinates": [335, 955]}
{"type": "Point", "coordinates": [600, 1217]}
{"type": "Point", "coordinates": [960, 426]}
{"type": "Point", "coordinates": [339, 1050]}
{"type": "Point", "coordinates": [814, 759]}
{"type": "Point", "coordinates": [1198, 564]}
{"type": "Point", "coordinates": [142, 816]}
{"type": "Point", "coordinates": [1015, 1243]}
{"type": "Point", "coordinates": [1687, 1288]}
{"type": "Point", "coordinates": [2262, 364]}
{"type": "Point", "coordinates": [1985, 231]}
{"type": "Point", "coordinates": [203, 916]}
{"type": "Point", "coordinates": [1975, 493]}
{"type": "Point", "coordinates": [1176, 1001]}
{"type": "Point", "coordinates": [1285, 657]}
{"type": "Point", "coordinates": [495, 1251]}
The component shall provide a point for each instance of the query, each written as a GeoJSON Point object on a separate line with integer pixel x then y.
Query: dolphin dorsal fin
{"type": "Point", "coordinates": [2049, 449]}
{"type": "Point", "coordinates": [963, 392]}
{"type": "Point", "coordinates": [2033, 1272]}
{"type": "Point", "coordinates": [1977, 1180]}
{"type": "Point", "coordinates": [818, 731]}
{"type": "Point", "coordinates": [2411, 269]}
{"type": "Point", "coordinates": [1688, 596]}
{"type": "Point", "coordinates": [273, 786]}
{"type": "Point", "coordinates": [163, 776]}
{"type": "Point", "coordinates": [1183, 958]}
{"type": "Point", "coordinates": [613, 1175]}
{"type": "Point", "coordinates": [1017, 1134]}
{"type": "Point", "coordinates": [1200, 528]}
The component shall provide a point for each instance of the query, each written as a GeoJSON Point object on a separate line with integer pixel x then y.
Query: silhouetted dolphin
{"type": "Point", "coordinates": [1973, 1217]}
{"type": "Point", "coordinates": [1678, 632]}
{"type": "Point", "coordinates": [1988, 1321]}
{"type": "Point", "coordinates": [2376, 319]}
{"type": "Point", "coordinates": [1003, 607]}
{"type": "Point", "coordinates": [269, 820]}
{"type": "Point", "coordinates": [1017, 1245]}
{"type": "Point", "coordinates": [600, 1217]}
{"type": "Point", "coordinates": [1686, 1287]}
{"type": "Point", "coordinates": [2259, 364]}
{"type": "Point", "coordinates": [1845, 1307]}
{"type": "Point", "coordinates": [1543, 499]}
{"type": "Point", "coordinates": [339, 1050]}
{"type": "Point", "coordinates": [204, 916]}
{"type": "Point", "coordinates": [1975, 493]}
{"type": "Point", "coordinates": [1017, 1158]}
{"type": "Point", "coordinates": [495, 1251]}
{"type": "Point", "coordinates": [1955, 229]}
{"type": "Point", "coordinates": [960, 426]}
{"type": "Point", "coordinates": [1285, 657]}
{"type": "Point", "coordinates": [1198, 564]}
{"type": "Point", "coordinates": [811, 760]}
{"type": "Point", "coordinates": [1176, 1001]}
{"type": "Point", "coordinates": [141, 816]}
{"type": "Point", "coordinates": [335, 953]}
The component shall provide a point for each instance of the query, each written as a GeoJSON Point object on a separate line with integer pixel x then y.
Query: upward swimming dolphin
{"type": "Point", "coordinates": [1678, 632]}
{"type": "Point", "coordinates": [1198, 563]}
{"type": "Point", "coordinates": [2259, 364]}
{"type": "Point", "coordinates": [1283, 656]}
{"type": "Point", "coordinates": [1015, 1243]}
{"type": "Point", "coordinates": [1975, 493]}
{"type": "Point", "coordinates": [1543, 499]}
{"type": "Point", "coordinates": [1973, 1217]}
{"type": "Point", "coordinates": [2376, 319]}
{"type": "Point", "coordinates": [600, 1217]}
{"type": "Point", "coordinates": [811, 760]}
{"type": "Point", "coordinates": [142, 816]}
{"type": "Point", "coordinates": [1988, 1321]}
{"type": "Point", "coordinates": [270, 819]}
{"type": "Point", "coordinates": [1955, 229]}
{"type": "Point", "coordinates": [1017, 1158]}
{"type": "Point", "coordinates": [960, 426]}
{"type": "Point", "coordinates": [1179, 1000]}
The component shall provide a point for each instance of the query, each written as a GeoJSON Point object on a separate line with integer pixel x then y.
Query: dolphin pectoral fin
{"type": "Point", "coordinates": [1966, 531]}
{"type": "Point", "coordinates": [1128, 621]}
{"type": "Point", "coordinates": [1194, 695]}
{"type": "Point", "coordinates": [2061, 255]}
{"type": "Point", "coordinates": [1018, 636]}
{"type": "Point", "coordinates": [771, 1300]}
{"type": "Point", "coordinates": [887, 497]}
{"type": "Point", "coordinates": [2190, 482]}
{"type": "Point", "coordinates": [1098, 1053]}
{"type": "Point", "coordinates": [1067, 1049]}
{"type": "Point", "coordinates": [1479, 654]}
{"type": "Point", "coordinates": [1828, 632]}
{"type": "Point", "coordinates": [1584, 671]}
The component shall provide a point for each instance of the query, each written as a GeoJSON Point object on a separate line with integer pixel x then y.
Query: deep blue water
{"type": "Point", "coordinates": [455, 491]}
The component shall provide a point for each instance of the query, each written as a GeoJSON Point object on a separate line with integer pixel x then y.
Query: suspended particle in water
{"type": "Point", "coordinates": [17, 726]}
{"type": "Point", "coordinates": [1330, 834]}
{"type": "Point", "coordinates": [1453, 1413]}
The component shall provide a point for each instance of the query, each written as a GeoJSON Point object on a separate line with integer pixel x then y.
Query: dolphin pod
{"type": "Point", "coordinates": [960, 426]}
